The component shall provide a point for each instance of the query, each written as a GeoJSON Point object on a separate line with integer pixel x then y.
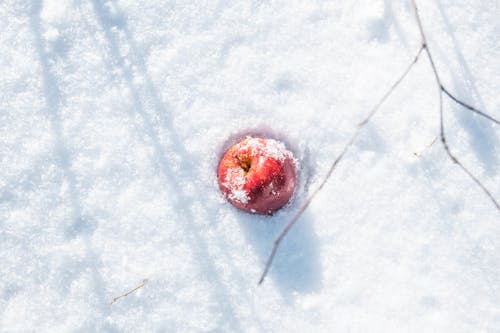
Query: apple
{"type": "Point", "coordinates": [257, 175]}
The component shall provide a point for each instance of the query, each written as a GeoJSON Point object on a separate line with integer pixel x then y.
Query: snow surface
{"type": "Point", "coordinates": [113, 116]}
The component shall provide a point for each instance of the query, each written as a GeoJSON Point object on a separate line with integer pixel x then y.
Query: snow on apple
{"type": "Point", "coordinates": [257, 175]}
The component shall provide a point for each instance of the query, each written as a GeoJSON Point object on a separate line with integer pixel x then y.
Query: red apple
{"type": "Point", "coordinates": [257, 175]}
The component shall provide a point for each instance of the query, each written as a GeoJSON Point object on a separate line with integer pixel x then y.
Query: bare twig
{"type": "Point", "coordinates": [360, 126]}
{"type": "Point", "coordinates": [129, 292]}
{"type": "Point", "coordinates": [473, 109]}
{"type": "Point", "coordinates": [426, 147]}
{"type": "Point", "coordinates": [441, 90]}
{"type": "Point", "coordinates": [456, 161]}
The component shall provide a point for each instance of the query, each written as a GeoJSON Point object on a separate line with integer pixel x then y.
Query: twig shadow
{"type": "Point", "coordinates": [156, 117]}
{"type": "Point", "coordinates": [297, 267]}
{"type": "Point", "coordinates": [482, 137]}
{"type": "Point", "coordinates": [380, 28]}
{"type": "Point", "coordinates": [392, 19]}
{"type": "Point", "coordinates": [79, 224]}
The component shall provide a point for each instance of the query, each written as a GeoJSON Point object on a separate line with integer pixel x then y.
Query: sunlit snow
{"type": "Point", "coordinates": [113, 117]}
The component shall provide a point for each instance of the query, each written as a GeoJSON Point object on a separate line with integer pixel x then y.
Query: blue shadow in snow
{"type": "Point", "coordinates": [80, 225]}
{"type": "Point", "coordinates": [380, 29]}
{"type": "Point", "coordinates": [156, 116]}
{"type": "Point", "coordinates": [482, 136]}
{"type": "Point", "coordinates": [296, 267]}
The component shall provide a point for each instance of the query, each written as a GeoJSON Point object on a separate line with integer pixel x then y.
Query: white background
{"type": "Point", "coordinates": [113, 116]}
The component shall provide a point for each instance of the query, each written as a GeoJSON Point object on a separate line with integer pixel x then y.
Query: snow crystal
{"type": "Point", "coordinates": [235, 181]}
{"type": "Point", "coordinates": [272, 148]}
{"type": "Point", "coordinates": [239, 195]}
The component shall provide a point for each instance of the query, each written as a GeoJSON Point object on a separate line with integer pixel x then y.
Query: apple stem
{"type": "Point", "coordinates": [244, 164]}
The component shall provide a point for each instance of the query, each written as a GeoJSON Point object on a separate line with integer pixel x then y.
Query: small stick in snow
{"type": "Point", "coordinates": [334, 164]}
{"type": "Point", "coordinates": [424, 47]}
{"type": "Point", "coordinates": [129, 292]}
{"type": "Point", "coordinates": [467, 106]}
{"type": "Point", "coordinates": [442, 90]}
{"type": "Point", "coordinates": [426, 147]}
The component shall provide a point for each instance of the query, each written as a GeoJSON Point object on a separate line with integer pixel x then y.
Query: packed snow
{"type": "Point", "coordinates": [113, 117]}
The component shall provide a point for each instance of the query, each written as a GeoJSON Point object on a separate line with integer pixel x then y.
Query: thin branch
{"type": "Point", "coordinates": [471, 108]}
{"type": "Point", "coordinates": [424, 43]}
{"type": "Point", "coordinates": [129, 292]}
{"type": "Point", "coordinates": [441, 90]}
{"type": "Point", "coordinates": [418, 154]}
{"type": "Point", "coordinates": [360, 126]}
{"type": "Point", "coordinates": [438, 79]}
{"type": "Point", "coordinates": [456, 161]}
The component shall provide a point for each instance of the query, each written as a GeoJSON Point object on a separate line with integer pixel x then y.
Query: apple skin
{"type": "Point", "coordinates": [257, 175]}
